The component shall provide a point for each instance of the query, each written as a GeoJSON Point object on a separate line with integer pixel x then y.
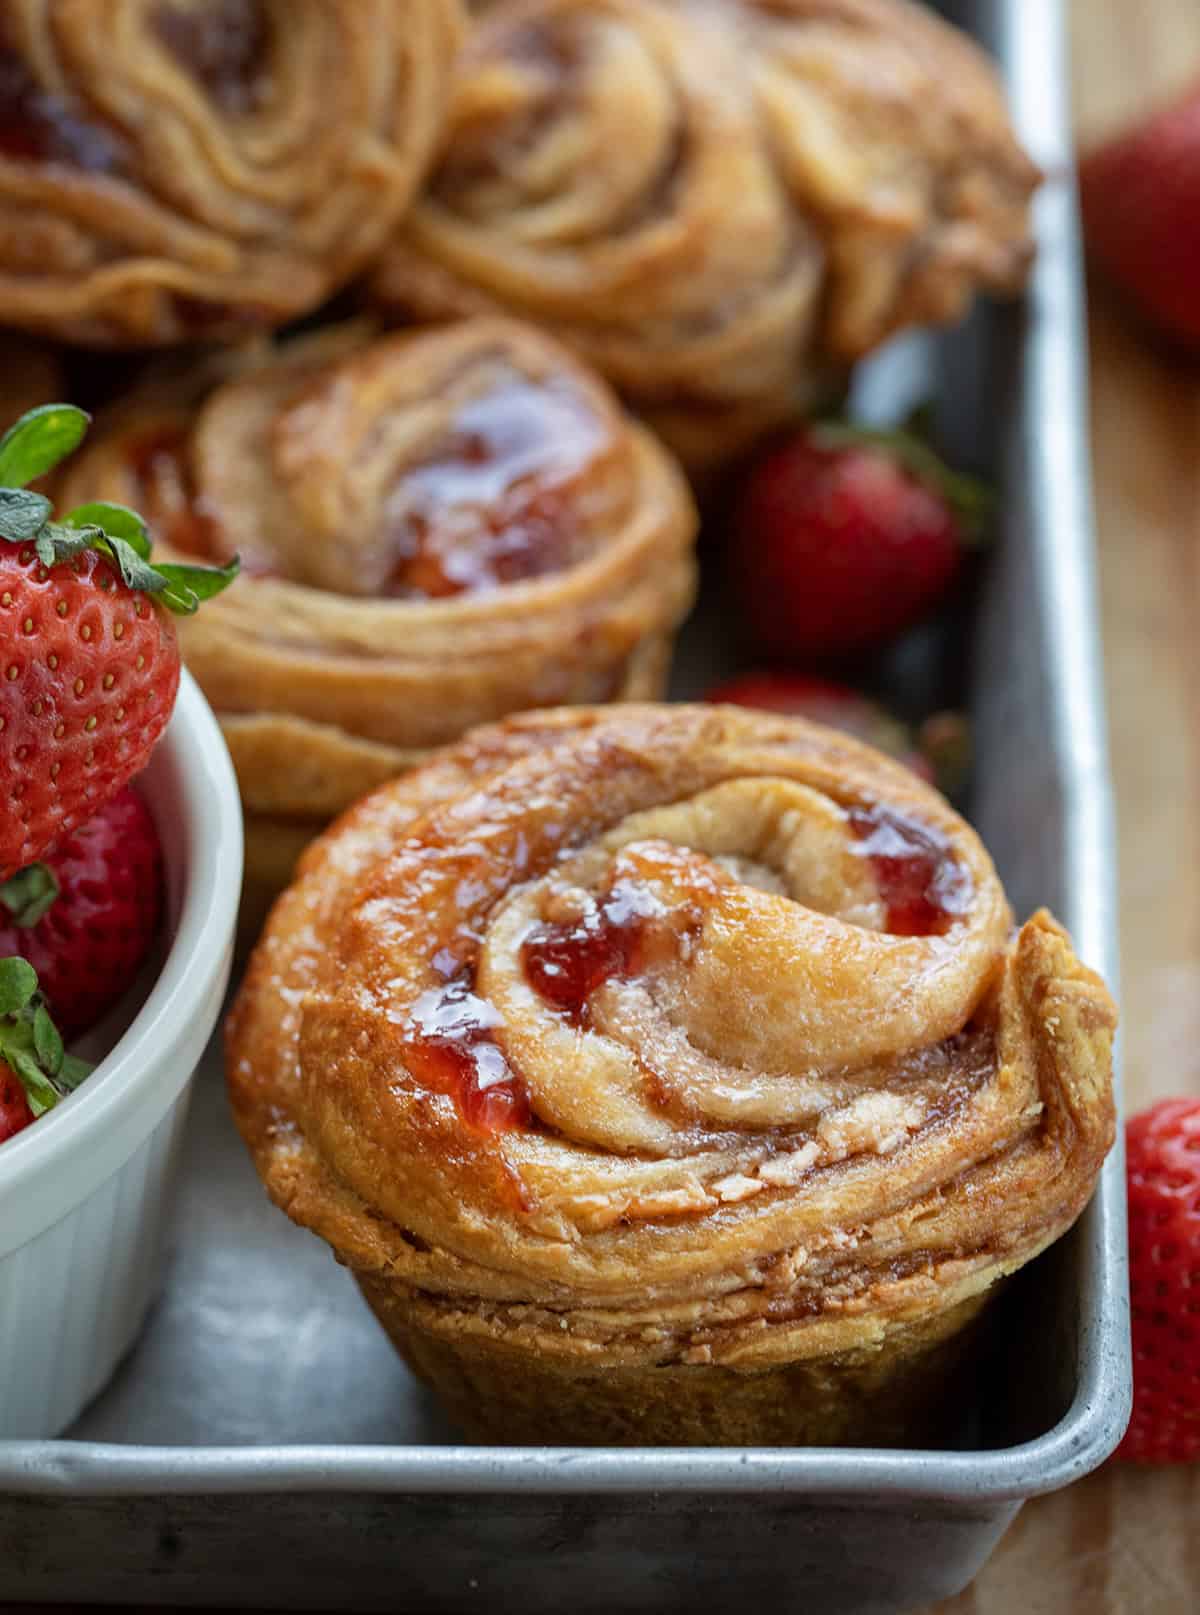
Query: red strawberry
{"type": "Point", "coordinates": [89, 662]}
{"type": "Point", "coordinates": [1164, 1259]}
{"type": "Point", "coordinates": [88, 944]}
{"type": "Point", "coordinates": [35, 1070]}
{"type": "Point", "coordinates": [845, 537]}
{"type": "Point", "coordinates": [15, 1113]}
{"type": "Point", "coordinates": [938, 752]}
{"type": "Point", "coordinates": [88, 679]}
{"type": "Point", "coordinates": [1141, 212]}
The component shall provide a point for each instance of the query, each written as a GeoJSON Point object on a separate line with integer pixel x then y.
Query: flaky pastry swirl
{"type": "Point", "coordinates": [437, 528]}
{"type": "Point", "coordinates": [653, 1037]}
{"type": "Point", "coordinates": [716, 201]}
{"type": "Point", "coordinates": [172, 168]}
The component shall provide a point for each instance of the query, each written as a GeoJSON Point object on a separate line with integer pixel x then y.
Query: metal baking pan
{"type": "Point", "coordinates": [264, 1446]}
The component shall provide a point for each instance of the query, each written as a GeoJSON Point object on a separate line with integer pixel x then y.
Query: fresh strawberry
{"type": "Point", "coordinates": [15, 1113]}
{"type": "Point", "coordinates": [1140, 194]}
{"type": "Point", "coordinates": [937, 752]}
{"type": "Point", "coordinates": [89, 661]}
{"type": "Point", "coordinates": [1163, 1146]}
{"type": "Point", "coordinates": [845, 537]}
{"type": "Point", "coordinates": [86, 916]}
{"type": "Point", "coordinates": [90, 673]}
{"type": "Point", "coordinates": [35, 1070]}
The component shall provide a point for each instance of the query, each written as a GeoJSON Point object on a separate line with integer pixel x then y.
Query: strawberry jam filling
{"type": "Point", "coordinates": [923, 888]}
{"type": "Point", "coordinates": [451, 1050]}
{"type": "Point", "coordinates": [166, 492]}
{"type": "Point", "coordinates": [39, 127]}
{"type": "Point", "coordinates": [176, 512]}
{"type": "Point", "coordinates": [491, 505]}
{"type": "Point", "coordinates": [223, 45]}
{"type": "Point", "coordinates": [566, 964]}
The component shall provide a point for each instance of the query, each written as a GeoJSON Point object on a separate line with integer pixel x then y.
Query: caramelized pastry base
{"type": "Point", "coordinates": [900, 1392]}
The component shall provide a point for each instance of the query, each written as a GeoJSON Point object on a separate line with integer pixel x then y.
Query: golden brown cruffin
{"type": "Point", "coordinates": [717, 202]}
{"type": "Point", "coordinates": [437, 528]}
{"type": "Point", "coordinates": [171, 168]}
{"type": "Point", "coordinates": [671, 1074]}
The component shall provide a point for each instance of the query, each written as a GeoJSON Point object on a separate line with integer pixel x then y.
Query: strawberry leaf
{"type": "Point", "coordinates": [35, 444]}
{"type": "Point", "coordinates": [39, 1090]}
{"type": "Point", "coordinates": [47, 1042]}
{"type": "Point", "coordinates": [29, 894]}
{"type": "Point", "coordinates": [73, 1071]}
{"type": "Point", "coordinates": [118, 521]}
{"type": "Point", "coordinates": [135, 572]}
{"type": "Point", "coordinates": [38, 441]}
{"type": "Point", "coordinates": [18, 983]}
{"type": "Point", "coordinates": [30, 1043]}
{"type": "Point", "coordinates": [22, 514]}
{"type": "Point", "coordinates": [971, 500]}
{"type": "Point", "coordinates": [56, 543]}
{"type": "Point", "coordinates": [187, 585]}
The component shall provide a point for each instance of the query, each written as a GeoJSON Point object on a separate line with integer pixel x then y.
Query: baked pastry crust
{"type": "Point", "coordinates": [717, 202]}
{"type": "Point", "coordinates": [437, 528]}
{"type": "Point", "coordinates": [169, 170]}
{"type": "Point", "coordinates": [670, 1074]}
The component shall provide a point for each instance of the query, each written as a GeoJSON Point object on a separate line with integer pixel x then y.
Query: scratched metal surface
{"type": "Point", "coordinates": [264, 1443]}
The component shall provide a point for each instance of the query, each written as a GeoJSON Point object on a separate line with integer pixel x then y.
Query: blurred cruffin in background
{"type": "Point", "coordinates": [176, 170]}
{"type": "Point", "coordinates": [720, 203]}
{"type": "Point", "coordinates": [437, 527]}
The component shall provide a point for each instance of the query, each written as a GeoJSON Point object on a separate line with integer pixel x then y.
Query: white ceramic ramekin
{"type": "Point", "coordinates": [83, 1192]}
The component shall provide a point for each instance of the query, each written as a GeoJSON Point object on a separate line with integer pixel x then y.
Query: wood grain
{"type": "Point", "coordinates": [1127, 1541]}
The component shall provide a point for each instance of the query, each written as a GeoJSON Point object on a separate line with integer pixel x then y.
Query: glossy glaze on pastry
{"type": "Point", "coordinates": [436, 528]}
{"type": "Point", "coordinates": [717, 201]}
{"type": "Point", "coordinates": [671, 1073]}
{"type": "Point", "coordinates": [171, 169]}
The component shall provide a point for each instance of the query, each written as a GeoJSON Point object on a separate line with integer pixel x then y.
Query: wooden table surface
{"type": "Point", "coordinates": [1127, 1541]}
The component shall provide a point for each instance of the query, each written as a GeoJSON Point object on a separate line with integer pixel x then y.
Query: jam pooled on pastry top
{"type": "Point", "coordinates": [223, 45]}
{"type": "Point", "coordinates": [922, 886]}
{"type": "Point", "coordinates": [157, 460]}
{"type": "Point", "coordinates": [491, 505]}
{"type": "Point", "coordinates": [40, 127]}
{"type": "Point", "coordinates": [567, 961]}
{"type": "Point", "coordinates": [449, 1047]}
{"type": "Point", "coordinates": [432, 465]}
